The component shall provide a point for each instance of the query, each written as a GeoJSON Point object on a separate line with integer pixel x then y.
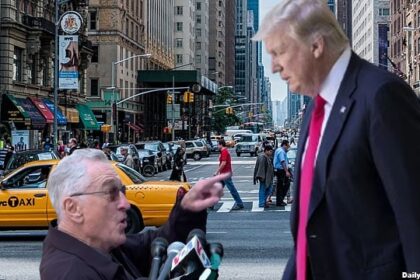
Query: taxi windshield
{"type": "Point", "coordinates": [136, 177]}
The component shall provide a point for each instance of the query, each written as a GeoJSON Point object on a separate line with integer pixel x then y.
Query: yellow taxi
{"type": "Point", "coordinates": [24, 200]}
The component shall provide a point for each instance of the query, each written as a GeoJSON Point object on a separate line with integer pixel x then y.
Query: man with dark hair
{"type": "Point", "coordinates": [263, 173]}
{"type": "Point", "coordinates": [225, 166]}
{"type": "Point", "coordinates": [72, 145]}
{"type": "Point", "coordinates": [282, 172]}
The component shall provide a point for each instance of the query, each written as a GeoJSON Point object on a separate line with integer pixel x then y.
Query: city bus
{"type": "Point", "coordinates": [255, 127]}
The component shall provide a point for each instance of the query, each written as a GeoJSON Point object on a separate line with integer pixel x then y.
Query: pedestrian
{"type": "Point", "coordinates": [89, 241]}
{"type": "Point", "coordinates": [282, 172]}
{"type": "Point", "coordinates": [264, 174]}
{"type": "Point", "coordinates": [9, 154]}
{"type": "Point", "coordinates": [178, 173]}
{"type": "Point", "coordinates": [61, 149]}
{"type": "Point", "coordinates": [292, 141]}
{"type": "Point", "coordinates": [72, 145]}
{"type": "Point", "coordinates": [356, 211]}
{"type": "Point", "coordinates": [127, 158]}
{"type": "Point", "coordinates": [225, 166]}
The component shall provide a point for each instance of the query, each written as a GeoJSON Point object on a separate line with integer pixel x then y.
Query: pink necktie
{"type": "Point", "coordinates": [306, 179]}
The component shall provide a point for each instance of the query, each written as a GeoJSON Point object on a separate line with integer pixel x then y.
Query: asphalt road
{"type": "Point", "coordinates": [257, 242]}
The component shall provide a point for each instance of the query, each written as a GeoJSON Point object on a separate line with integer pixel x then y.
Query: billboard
{"type": "Point", "coordinates": [68, 73]}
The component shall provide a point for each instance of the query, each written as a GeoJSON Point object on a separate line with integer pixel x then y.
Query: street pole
{"type": "Point", "coordinates": [56, 68]}
{"type": "Point", "coordinates": [113, 101]}
{"type": "Point", "coordinates": [173, 107]}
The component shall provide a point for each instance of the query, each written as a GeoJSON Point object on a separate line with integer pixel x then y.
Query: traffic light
{"type": "Point", "coordinates": [169, 99]}
{"type": "Point", "coordinates": [229, 111]}
{"type": "Point", "coordinates": [188, 97]}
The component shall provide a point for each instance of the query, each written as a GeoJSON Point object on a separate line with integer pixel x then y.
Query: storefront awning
{"type": "Point", "coordinates": [72, 115]}
{"type": "Point", "coordinates": [61, 119]}
{"type": "Point", "coordinates": [87, 118]}
{"type": "Point", "coordinates": [135, 127]}
{"type": "Point", "coordinates": [11, 111]}
{"type": "Point", "coordinates": [37, 120]}
{"type": "Point", "coordinates": [22, 112]}
{"type": "Point", "coordinates": [43, 109]}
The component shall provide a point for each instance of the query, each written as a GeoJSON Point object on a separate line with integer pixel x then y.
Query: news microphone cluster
{"type": "Point", "coordinates": [188, 261]}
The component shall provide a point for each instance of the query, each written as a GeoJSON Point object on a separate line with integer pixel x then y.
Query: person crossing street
{"type": "Point", "coordinates": [225, 166]}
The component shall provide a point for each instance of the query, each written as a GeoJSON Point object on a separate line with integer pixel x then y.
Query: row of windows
{"type": "Point", "coordinates": [34, 63]}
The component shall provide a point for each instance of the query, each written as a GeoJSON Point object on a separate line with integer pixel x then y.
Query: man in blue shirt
{"type": "Point", "coordinates": [282, 172]}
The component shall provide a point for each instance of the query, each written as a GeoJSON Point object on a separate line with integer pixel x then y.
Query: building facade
{"type": "Point", "coordinates": [217, 37]}
{"type": "Point", "coordinates": [370, 31]}
{"type": "Point", "coordinates": [117, 32]}
{"type": "Point", "coordinates": [202, 42]}
{"type": "Point", "coordinates": [230, 42]}
{"type": "Point", "coordinates": [184, 33]}
{"type": "Point", "coordinates": [27, 71]}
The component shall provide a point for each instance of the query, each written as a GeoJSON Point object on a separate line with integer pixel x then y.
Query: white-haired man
{"type": "Point", "coordinates": [89, 241]}
{"type": "Point", "coordinates": [356, 212]}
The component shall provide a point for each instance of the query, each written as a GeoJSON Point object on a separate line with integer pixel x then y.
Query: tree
{"type": "Point", "coordinates": [220, 119]}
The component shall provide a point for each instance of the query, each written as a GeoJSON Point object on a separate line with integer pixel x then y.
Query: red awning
{"type": "Point", "coordinates": [134, 127]}
{"type": "Point", "coordinates": [43, 109]}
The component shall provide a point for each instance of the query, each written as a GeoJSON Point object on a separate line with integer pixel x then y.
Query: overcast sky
{"type": "Point", "coordinates": [278, 87]}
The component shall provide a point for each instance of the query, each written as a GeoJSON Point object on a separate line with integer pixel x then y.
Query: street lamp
{"type": "Point", "coordinates": [114, 101]}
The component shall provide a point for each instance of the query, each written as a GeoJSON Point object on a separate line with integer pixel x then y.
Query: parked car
{"type": "Point", "coordinates": [195, 149]}
{"type": "Point", "coordinates": [132, 150]}
{"type": "Point", "coordinates": [215, 147]}
{"type": "Point", "coordinates": [248, 143]}
{"type": "Point", "coordinates": [25, 202]}
{"type": "Point", "coordinates": [20, 158]}
{"type": "Point", "coordinates": [148, 162]}
{"type": "Point", "coordinates": [159, 150]}
{"type": "Point", "coordinates": [170, 152]}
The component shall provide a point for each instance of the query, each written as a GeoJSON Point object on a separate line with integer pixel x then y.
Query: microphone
{"type": "Point", "coordinates": [192, 259]}
{"type": "Point", "coordinates": [158, 248]}
{"type": "Point", "coordinates": [216, 254]}
{"type": "Point", "coordinates": [172, 251]}
{"type": "Point", "coordinates": [216, 251]}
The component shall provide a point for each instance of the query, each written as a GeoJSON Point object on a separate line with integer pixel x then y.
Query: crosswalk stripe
{"type": "Point", "coordinates": [235, 162]}
{"type": "Point", "coordinates": [226, 206]}
{"type": "Point", "coordinates": [255, 206]}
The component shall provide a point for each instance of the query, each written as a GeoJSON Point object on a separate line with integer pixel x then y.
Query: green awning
{"type": "Point", "coordinates": [87, 118]}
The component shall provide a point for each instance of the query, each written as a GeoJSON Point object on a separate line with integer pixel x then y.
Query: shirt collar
{"type": "Point", "coordinates": [331, 85]}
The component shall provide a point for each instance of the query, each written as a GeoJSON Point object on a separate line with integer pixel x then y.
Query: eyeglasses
{"type": "Point", "coordinates": [113, 193]}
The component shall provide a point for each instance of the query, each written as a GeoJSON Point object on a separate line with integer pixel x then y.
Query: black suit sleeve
{"type": "Point", "coordinates": [180, 223]}
{"type": "Point", "coordinates": [395, 142]}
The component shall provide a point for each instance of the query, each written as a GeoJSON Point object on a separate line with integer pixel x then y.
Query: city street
{"type": "Point", "coordinates": [257, 242]}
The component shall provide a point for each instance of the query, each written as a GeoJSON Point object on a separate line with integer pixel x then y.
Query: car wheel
{"type": "Point", "coordinates": [149, 170]}
{"type": "Point", "coordinates": [134, 221]}
{"type": "Point", "coordinates": [238, 154]}
{"type": "Point", "coordinates": [197, 156]}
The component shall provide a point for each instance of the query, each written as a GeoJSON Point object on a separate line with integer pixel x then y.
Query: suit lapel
{"type": "Point", "coordinates": [338, 116]}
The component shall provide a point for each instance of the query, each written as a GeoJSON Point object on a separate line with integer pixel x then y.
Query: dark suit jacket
{"type": "Point", "coordinates": [364, 213]}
